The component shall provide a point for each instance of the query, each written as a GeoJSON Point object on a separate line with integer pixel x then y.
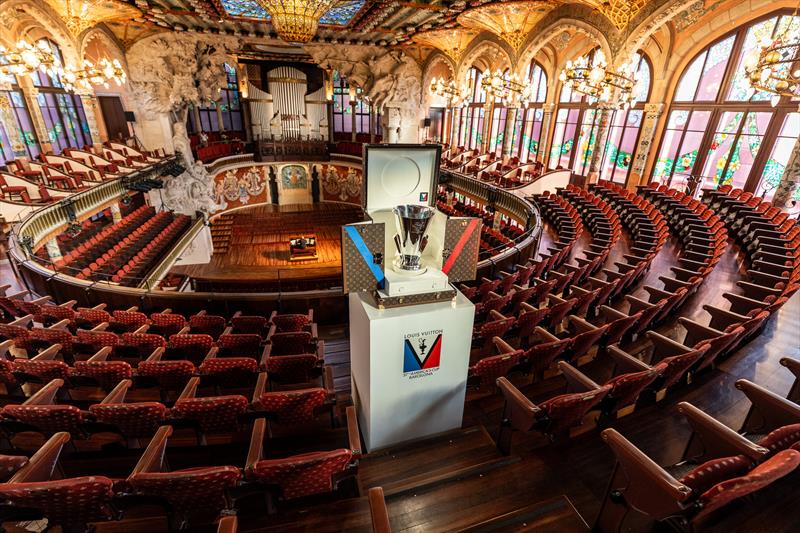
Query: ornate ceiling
{"type": "Point", "coordinates": [379, 22]}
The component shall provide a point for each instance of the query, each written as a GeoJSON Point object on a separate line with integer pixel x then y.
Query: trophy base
{"type": "Point", "coordinates": [404, 284]}
{"type": "Point", "coordinates": [410, 273]}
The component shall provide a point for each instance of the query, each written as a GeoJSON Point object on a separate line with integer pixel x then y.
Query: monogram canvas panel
{"type": "Point", "coordinates": [465, 265]}
{"type": "Point", "coordinates": [358, 276]}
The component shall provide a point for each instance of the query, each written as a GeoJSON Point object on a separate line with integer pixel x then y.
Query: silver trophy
{"type": "Point", "coordinates": [412, 223]}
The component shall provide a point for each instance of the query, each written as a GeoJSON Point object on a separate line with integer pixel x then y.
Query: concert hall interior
{"type": "Point", "coordinates": [422, 265]}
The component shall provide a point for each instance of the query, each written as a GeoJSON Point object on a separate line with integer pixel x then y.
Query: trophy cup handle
{"type": "Point", "coordinates": [398, 244]}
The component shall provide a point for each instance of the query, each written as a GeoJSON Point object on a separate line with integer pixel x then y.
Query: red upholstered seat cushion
{"type": "Point", "coordinates": [47, 418]}
{"type": "Point", "coordinates": [249, 324]}
{"type": "Point", "coordinates": [721, 494]}
{"type": "Point", "coordinates": [568, 410]}
{"type": "Point", "coordinates": [303, 475]}
{"type": "Point", "coordinates": [131, 319]}
{"type": "Point", "coordinates": [293, 407]}
{"type": "Point", "coordinates": [107, 373]}
{"type": "Point", "coordinates": [171, 375]}
{"type": "Point", "coordinates": [230, 371]}
{"type": "Point", "coordinates": [781, 438]}
{"type": "Point", "coordinates": [134, 420]}
{"type": "Point", "coordinates": [7, 373]}
{"type": "Point", "coordinates": [9, 464]}
{"type": "Point", "coordinates": [210, 324]}
{"type": "Point", "coordinates": [44, 370]}
{"type": "Point", "coordinates": [292, 343]}
{"type": "Point", "coordinates": [214, 414]}
{"type": "Point", "coordinates": [240, 344]}
{"type": "Point", "coordinates": [146, 343]}
{"type": "Point", "coordinates": [292, 368]}
{"type": "Point", "coordinates": [703, 477]}
{"type": "Point", "coordinates": [64, 501]}
{"type": "Point", "coordinates": [489, 369]}
{"type": "Point", "coordinates": [626, 388]}
{"type": "Point", "coordinates": [190, 490]}
{"type": "Point", "coordinates": [290, 322]}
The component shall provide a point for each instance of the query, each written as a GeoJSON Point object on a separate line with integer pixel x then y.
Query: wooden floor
{"type": "Point", "coordinates": [252, 244]}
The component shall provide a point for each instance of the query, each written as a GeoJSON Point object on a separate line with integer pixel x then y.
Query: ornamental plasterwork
{"type": "Point", "coordinates": [511, 21]}
{"type": "Point", "coordinates": [344, 186]}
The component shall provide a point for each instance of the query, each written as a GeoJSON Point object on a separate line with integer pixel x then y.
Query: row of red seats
{"type": "Point", "coordinates": [719, 465]}
{"type": "Point", "coordinates": [105, 240]}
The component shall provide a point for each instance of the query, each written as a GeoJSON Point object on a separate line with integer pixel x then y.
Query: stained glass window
{"type": "Point", "coordinates": [339, 15]}
{"type": "Point", "coordinates": [343, 110]}
{"type": "Point", "coordinates": [527, 131]}
{"type": "Point", "coordinates": [717, 127]}
{"type": "Point", "coordinates": [470, 127]}
{"type": "Point", "coordinates": [63, 112]}
{"type": "Point", "coordinates": [624, 126]}
{"type": "Point", "coordinates": [564, 138]}
{"type": "Point", "coordinates": [16, 124]}
{"type": "Point", "coordinates": [779, 157]}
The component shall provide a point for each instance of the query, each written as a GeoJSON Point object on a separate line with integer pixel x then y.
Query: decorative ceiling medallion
{"type": "Point", "coordinates": [452, 42]}
{"type": "Point", "coordinates": [511, 21]}
{"type": "Point", "coordinates": [80, 15]}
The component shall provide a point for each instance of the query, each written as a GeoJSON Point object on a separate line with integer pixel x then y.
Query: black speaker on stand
{"type": "Point", "coordinates": [130, 118]}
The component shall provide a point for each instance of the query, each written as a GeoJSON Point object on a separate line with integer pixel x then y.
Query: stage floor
{"type": "Point", "coordinates": [252, 244]}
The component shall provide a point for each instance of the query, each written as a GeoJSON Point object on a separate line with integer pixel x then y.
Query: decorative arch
{"type": "Point", "coordinates": [29, 21]}
{"type": "Point", "coordinates": [549, 33]}
{"type": "Point", "coordinates": [487, 52]}
{"type": "Point", "coordinates": [103, 36]}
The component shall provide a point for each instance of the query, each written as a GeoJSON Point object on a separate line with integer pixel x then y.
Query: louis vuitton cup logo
{"type": "Point", "coordinates": [422, 351]}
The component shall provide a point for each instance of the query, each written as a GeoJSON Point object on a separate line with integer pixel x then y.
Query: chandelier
{"type": "Point", "coordinates": [769, 67]}
{"type": "Point", "coordinates": [80, 15]}
{"type": "Point", "coordinates": [508, 90]}
{"type": "Point", "coordinates": [26, 58]}
{"type": "Point", "coordinates": [296, 21]}
{"type": "Point", "coordinates": [599, 83]}
{"type": "Point", "coordinates": [449, 90]}
{"type": "Point", "coordinates": [82, 80]}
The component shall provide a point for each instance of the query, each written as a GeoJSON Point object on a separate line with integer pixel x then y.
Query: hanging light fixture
{"type": "Point", "coordinates": [26, 58]}
{"type": "Point", "coordinates": [455, 96]}
{"type": "Point", "coordinates": [770, 67]}
{"type": "Point", "coordinates": [296, 21]}
{"type": "Point", "coordinates": [508, 90]}
{"type": "Point", "coordinates": [599, 83]}
{"type": "Point", "coordinates": [83, 80]}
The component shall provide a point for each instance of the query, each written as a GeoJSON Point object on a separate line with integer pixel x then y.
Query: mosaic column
{"type": "Point", "coordinates": [543, 154]}
{"type": "Point", "coordinates": [508, 135]}
{"type": "Point", "coordinates": [488, 111]}
{"type": "Point", "coordinates": [652, 114]}
{"type": "Point", "coordinates": [7, 118]}
{"type": "Point", "coordinates": [53, 251]}
{"type": "Point", "coordinates": [599, 144]}
{"type": "Point", "coordinates": [31, 95]}
{"type": "Point", "coordinates": [790, 181]}
{"type": "Point", "coordinates": [89, 102]}
{"type": "Point", "coordinates": [116, 214]}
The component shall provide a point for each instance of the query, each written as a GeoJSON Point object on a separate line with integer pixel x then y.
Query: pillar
{"type": "Point", "coordinates": [508, 134]}
{"type": "Point", "coordinates": [543, 154]}
{"type": "Point", "coordinates": [219, 117]}
{"type": "Point", "coordinates": [14, 135]}
{"type": "Point", "coordinates": [31, 93]}
{"type": "Point", "coordinates": [372, 123]}
{"type": "Point", "coordinates": [790, 182]}
{"type": "Point", "coordinates": [488, 116]}
{"type": "Point", "coordinates": [652, 114]}
{"type": "Point", "coordinates": [89, 102]}
{"type": "Point", "coordinates": [600, 137]}
{"type": "Point", "coordinates": [196, 113]}
{"type": "Point", "coordinates": [53, 251]}
{"type": "Point", "coordinates": [116, 214]}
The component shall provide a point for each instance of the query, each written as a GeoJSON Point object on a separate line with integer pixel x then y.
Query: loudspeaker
{"type": "Point", "coordinates": [426, 123]}
{"type": "Point", "coordinates": [129, 116]}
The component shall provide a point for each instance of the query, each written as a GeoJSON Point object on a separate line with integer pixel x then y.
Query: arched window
{"type": "Point", "coordinates": [527, 132]}
{"type": "Point", "coordinates": [624, 126]}
{"type": "Point", "coordinates": [575, 130]}
{"type": "Point", "coordinates": [230, 108]}
{"type": "Point", "coordinates": [15, 124]}
{"type": "Point", "coordinates": [499, 117]}
{"type": "Point", "coordinates": [470, 117]}
{"type": "Point", "coordinates": [717, 129]}
{"type": "Point", "coordinates": [63, 112]}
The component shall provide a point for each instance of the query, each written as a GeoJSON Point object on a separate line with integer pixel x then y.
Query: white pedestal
{"type": "Point", "coordinates": [400, 395]}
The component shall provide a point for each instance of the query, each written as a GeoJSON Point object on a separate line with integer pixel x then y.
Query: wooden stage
{"type": "Point", "coordinates": [251, 248]}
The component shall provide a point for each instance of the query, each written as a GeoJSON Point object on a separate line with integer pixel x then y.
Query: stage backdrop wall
{"type": "Point", "coordinates": [245, 184]}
